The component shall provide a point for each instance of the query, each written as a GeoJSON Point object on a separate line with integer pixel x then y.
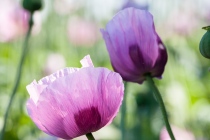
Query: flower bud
{"type": "Point", "coordinates": [32, 5]}
{"type": "Point", "coordinates": [204, 45]}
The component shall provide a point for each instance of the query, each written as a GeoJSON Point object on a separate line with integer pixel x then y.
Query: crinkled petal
{"type": "Point", "coordinates": [80, 103]}
{"type": "Point", "coordinates": [34, 90]}
{"type": "Point", "coordinates": [61, 73]}
{"type": "Point", "coordinates": [87, 62]}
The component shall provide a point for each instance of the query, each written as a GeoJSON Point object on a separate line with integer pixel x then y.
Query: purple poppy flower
{"type": "Point", "coordinates": [73, 102]}
{"type": "Point", "coordinates": [134, 47]}
{"type": "Point", "coordinates": [131, 3]}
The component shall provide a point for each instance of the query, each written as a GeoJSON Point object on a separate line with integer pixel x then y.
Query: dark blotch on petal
{"type": "Point", "coordinates": [136, 56]}
{"type": "Point", "coordinates": [159, 67]}
{"type": "Point", "coordinates": [88, 120]}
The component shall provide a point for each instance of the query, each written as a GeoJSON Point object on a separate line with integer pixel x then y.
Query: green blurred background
{"type": "Point", "coordinates": [67, 30]}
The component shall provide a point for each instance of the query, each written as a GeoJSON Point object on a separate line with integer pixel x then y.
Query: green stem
{"type": "Point", "coordinates": [162, 106]}
{"type": "Point", "coordinates": [90, 136]}
{"type": "Point", "coordinates": [18, 76]}
{"type": "Point", "coordinates": [123, 114]}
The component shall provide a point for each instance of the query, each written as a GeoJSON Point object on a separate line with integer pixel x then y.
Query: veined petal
{"type": "Point", "coordinates": [117, 57]}
{"type": "Point", "coordinates": [133, 45]}
{"type": "Point", "coordinates": [34, 89]}
{"type": "Point", "coordinates": [81, 103]}
{"type": "Point", "coordinates": [61, 73]}
{"type": "Point", "coordinates": [32, 111]}
{"type": "Point", "coordinates": [87, 62]}
{"type": "Point", "coordinates": [74, 102]}
{"type": "Point", "coordinates": [120, 37]}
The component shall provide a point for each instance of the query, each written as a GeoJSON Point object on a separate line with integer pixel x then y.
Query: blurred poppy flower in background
{"type": "Point", "coordinates": [134, 4]}
{"type": "Point", "coordinates": [65, 7]}
{"type": "Point", "coordinates": [13, 20]}
{"type": "Point", "coordinates": [134, 47]}
{"type": "Point", "coordinates": [185, 13]}
{"type": "Point", "coordinates": [73, 102]}
{"type": "Point", "coordinates": [180, 134]}
{"type": "Point", "coordinates": [54, 62]}
{"type": "Point", "coordinates": [82, 32]}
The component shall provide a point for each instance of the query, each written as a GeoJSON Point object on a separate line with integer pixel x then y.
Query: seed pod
{"type": "Point", "coordinates": [32, 5]}
{"type": "Point", "coordinates": [204, 45]}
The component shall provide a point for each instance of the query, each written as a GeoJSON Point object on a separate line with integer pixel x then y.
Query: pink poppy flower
{"type": "Point", "coordinates": [180, 134]}
{"type": "Point", "coordinates": [65, 7]}
{"type": "Point", "coordinates": [75, 101]}
{"type": "Point", "coordinates": [185, 13]}
{"type": "Point", "coordinates": [82, 32]}
{"type": "Point", "coordinates": [54, 62]}
{"type": "Point", "coordinates": [13, 20]}
{"type": "Point", "coordinates": [134, 47]}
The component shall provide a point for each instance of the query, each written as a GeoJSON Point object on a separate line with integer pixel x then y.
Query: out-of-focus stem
{"type": "Point", "coordinates": [18, 75]}
{"type": "Point", "coordinates": [162, 106]}
{"type": "Point", "coordinates": [90, 136]}
{"type": "Point", "coordinates": [123, 114]}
